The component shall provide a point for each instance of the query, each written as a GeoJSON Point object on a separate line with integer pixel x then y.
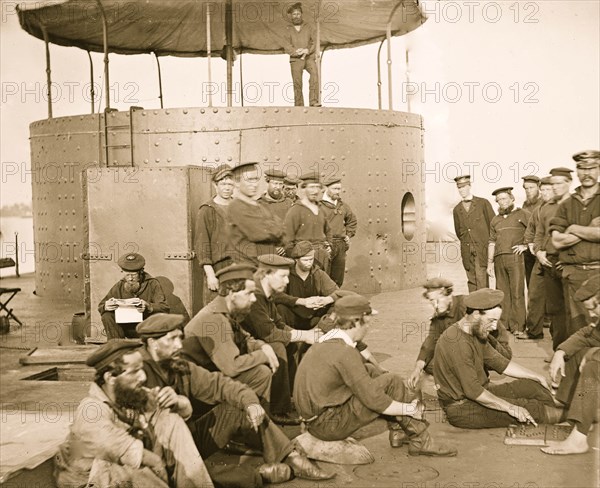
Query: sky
{"type": "Point", "coordinates": [505, 89]}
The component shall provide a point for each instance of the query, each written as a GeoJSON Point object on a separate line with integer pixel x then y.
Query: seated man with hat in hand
{"type": "Point", "coordinates": [275, 199]}
{"type": "Point", "coordinates": [461, 357]}
{"type": "Point", "coordinates": [136, 285]}
{"type": "Point", "coordinates": [265, 323]}
{"type": "Point", "coordinates": [448, 309]}
{"type": "Point", "coordinates": [215, 340]}
{"type": "Point", "coordinates": [336, 394]}
{"type": "Point", "coordinates": [123, 434]}
{"type": "Point", "coordinates": [310, 291]}
{"type": "Point", "coordinates": [237, 406]}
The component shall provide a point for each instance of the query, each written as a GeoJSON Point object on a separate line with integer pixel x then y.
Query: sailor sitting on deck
{"type": "Point", "coordinates": [238, 408]}
{"type": "Point", "coordinates": [448, 309]}
{"type": "Point", "coordinates": [461, 357]}
{"type": "Point", "coordinates": [336, 394]}
{"type": "Point", "coordinates": [140, 289]}
{"type": "Point", "coordinates": [121, 437]}
{"type": "Point", "coordinates": [579, 385]}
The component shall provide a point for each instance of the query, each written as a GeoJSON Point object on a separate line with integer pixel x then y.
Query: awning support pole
{"type": "Point", "coordinates": [208, 53]}
{"type": "Point", "coordinates": [92, 91]}
{"type": "Point", "coordinates": [160, 91]}
{"type": "Point", "coordinates": [379, 74]}
{"type": "Point", "coordinates": [229, 49]}
{"type": "Point", "coordinates": [48, 72]}
{"type": "Point", "coordinates": [407, 80]}
{"type": "Point", "coordinates": [105, 43]}
{"type": "Point", "coordinates": [389, 55]}
{"type": "Point", "coordinates": [318, 50]}
{"type": "Point", "coordinates": [389, 63]}
{"type": "Point", "coordinates": [241, 78]}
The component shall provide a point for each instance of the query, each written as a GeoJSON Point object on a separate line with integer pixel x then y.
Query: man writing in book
{"type": "Point", "coordinates": [137, 290]}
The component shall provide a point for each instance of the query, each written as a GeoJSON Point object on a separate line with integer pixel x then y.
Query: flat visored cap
{"type": "Point", "coordinates": [236, 272]}
{"type": "Point", "coordinates": [301, 249]}
{"type": "Point", "coordinates": [159, 324]}
{"type": "Point", "coordinates": [244, 167]}
{"type": "Point", "coordinates": [111, 351]}
{"type": "Point", "coordinates": [131, 262]}
{"type": "Point", "coordinates": [221, 171]}
{"type": "Point", "coordinates": [504, 189]}
{"type": "Point", "coordinates": [275, 174]}
{"type": "Point", "coordinates": [587, 159]}
{"type": "Point", "coordinates": [462, 180]}
{"type": "Point", "coordinates": [311, 177]}
{"type": "Point", "coordinates": [484, 299]}
{"type": "Point", "coordinates": [588, 289]}
{"type": "Point", "coordinates": [274, 261]}
{"type": "Point", "coordinates": [353, 306]}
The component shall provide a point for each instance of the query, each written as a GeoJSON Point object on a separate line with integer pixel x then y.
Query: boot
{"type": "Point", "coordinates": [420, 441]}
{"type": "Point", "coordinates": [303, 468]}
{"type": "Point", "coordinates": [275, 472]}
{"type": "Point", "coordinates": [397, 436]}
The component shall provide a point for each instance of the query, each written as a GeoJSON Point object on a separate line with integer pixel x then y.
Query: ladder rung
{"type": "Point", "coordinates": [117, 145]}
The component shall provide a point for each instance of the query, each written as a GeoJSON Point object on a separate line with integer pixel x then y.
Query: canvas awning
{"type": "Point", "coordinates": [178, 27]}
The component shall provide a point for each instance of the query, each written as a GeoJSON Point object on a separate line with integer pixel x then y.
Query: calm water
{"type": "Point", "coordinates": [24, 227]}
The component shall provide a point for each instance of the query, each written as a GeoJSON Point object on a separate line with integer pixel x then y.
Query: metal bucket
{"type": "Point", "coordinates": [75, 332]}
{"type": "Point", "coordinates": [4, 325]}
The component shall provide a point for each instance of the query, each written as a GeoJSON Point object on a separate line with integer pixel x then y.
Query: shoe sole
{"type": "Point", "coordinates": [431, 454]}
{"type": "Point", "coordinates": [317, 479]}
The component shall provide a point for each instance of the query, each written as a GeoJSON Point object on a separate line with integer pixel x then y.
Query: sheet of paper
{"type": "Point", "coordinates": [127, 314]}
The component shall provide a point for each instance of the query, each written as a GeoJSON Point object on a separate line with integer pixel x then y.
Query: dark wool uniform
{"type": "Point", "coordinates": [472, 227]}
{"type": "Point", "coordinates": [580, 261]}
{"type": "Point", "coordinates": [210, 241]}
{"type": "Point", "coordinates": [528, 258]}
{"type": "Point", "coordinates": [150, 291]}
{"type": "Point", "coordinates": [253, 230]}
{"type": "Point", "coordinates": [536, 304]}
{"type": "Point", "coordinates": [460, 363]}
{"type": "Point", "coordinates": [507, 231]}
{"type": "Point", "coordinates": [499, 339]}
{"type": "Point", "coordinates": [553, 283]}
{"type": "Point", "coordinates": [265, 323]}
{"type": "Point", "coordinates": [336, 393]}
{"type": "Point", "coordinates": [277, 207]}
{"type": "Point", "coordinates": [303, 39]}
{"type": "Point", "coordinates": [585, 404]}
{"type": "Point", "coordinates": [343, 224]}
{"type": "Point", "coordinates": [301, 224]}
{"type": "Point", "coordinates": [317, 283]}
{"type": "Point", "coordinates": [216, 342]}
{"type": "Point", "coordinates": [575, 348]}
{"type": "Point", "coordinates": [215, 429]}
